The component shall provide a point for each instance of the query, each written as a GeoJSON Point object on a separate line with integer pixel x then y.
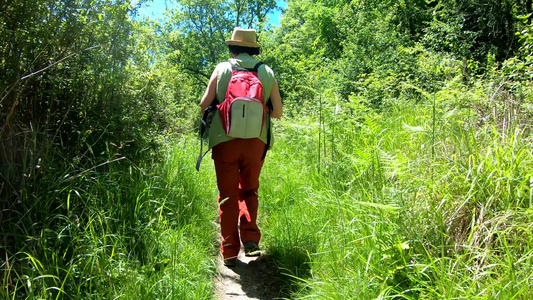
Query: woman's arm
{"type": "Point", "coordinates": [210, 93]}
{"type": "Point", "coordinates": [275, 97]}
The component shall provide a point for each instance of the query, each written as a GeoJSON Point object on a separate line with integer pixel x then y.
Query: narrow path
{"type": "Point", "coordinates": [252, 278]}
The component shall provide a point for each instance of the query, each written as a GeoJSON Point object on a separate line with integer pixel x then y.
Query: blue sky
{"type": "Point", "coordinates": [158, 7]}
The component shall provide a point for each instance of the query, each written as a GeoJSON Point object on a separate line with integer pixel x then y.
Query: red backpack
{"type": "Point", "coordinates": [243, 111]}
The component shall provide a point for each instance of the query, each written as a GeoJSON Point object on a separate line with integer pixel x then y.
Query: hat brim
{"type": "Point", "coordinates": [242, 44]}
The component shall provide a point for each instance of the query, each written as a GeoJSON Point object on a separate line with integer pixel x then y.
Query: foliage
{"type": "Point", "coordinates": [427, 200]}
{"type": "Point", "coordinates": [408, 175]}
{"type": "Point", "coordinates": [86, 108]}
{"type": "Point", "coordinates": [122, 230]}
{"type": "Point", "coordinates": [402, 168]}
{"type": "Point", "coordinates": [474, 31]}
{"type": "Point", "coordinates": [198, 29]}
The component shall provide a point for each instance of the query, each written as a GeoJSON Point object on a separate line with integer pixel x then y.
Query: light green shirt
{"type": "Point", "coordinates": [217, 134]}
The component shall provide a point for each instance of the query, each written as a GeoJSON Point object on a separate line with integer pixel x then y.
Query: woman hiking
{"type": "Point", "coordinates": [238, 161]}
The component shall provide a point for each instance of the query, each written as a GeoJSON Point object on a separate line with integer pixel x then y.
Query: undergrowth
{"type": "Point", "coordinates": [123, 230]}
{"type": "Point", "coordinates": [426, 200]}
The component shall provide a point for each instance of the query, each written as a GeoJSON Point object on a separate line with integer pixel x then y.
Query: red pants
{"type": "Point", "coordinates": [238, 164]}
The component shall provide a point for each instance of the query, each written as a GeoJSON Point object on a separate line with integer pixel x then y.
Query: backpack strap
{"type": "Point", "coordinates": [254, 69]}
{"type": "Point", "coordinates": [268, 136]}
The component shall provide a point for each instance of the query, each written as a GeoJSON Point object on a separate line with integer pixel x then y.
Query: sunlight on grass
{"type": "Point", "coordinates": [123, 233]}
{"type": "Point", "coordinates": [410, 202]}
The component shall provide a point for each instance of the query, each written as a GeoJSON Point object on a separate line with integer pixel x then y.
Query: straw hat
{"type": "Point", "coordinates": [244, 38]}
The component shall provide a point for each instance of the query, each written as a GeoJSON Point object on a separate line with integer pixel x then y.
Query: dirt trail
{"type": "Point", "coordinates": [252, 278]}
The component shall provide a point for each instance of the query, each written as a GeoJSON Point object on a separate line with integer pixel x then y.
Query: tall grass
{"type": "Point", "coordinates": [431, 200]}
{"type": "Point", "coordinates": [123, 230]}
{"type": "Point", "coordinates": [427, 200]}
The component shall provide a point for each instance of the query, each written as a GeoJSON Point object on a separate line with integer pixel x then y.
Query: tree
{"type": "Point", "coordinates": [472, 30]}
{"type": "Point", "coordinates": [195, 36]}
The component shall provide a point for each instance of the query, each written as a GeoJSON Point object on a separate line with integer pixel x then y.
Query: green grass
{"type": "Point", "coordinates": [413, 201]}
{"type": "Point", "coordinates": [120, 231]}
{"type": "Point", "coordinates": [416, 201]}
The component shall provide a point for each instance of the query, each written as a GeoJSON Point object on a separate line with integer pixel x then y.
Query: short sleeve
{"type": "Point", "coordinates": [266, 76]}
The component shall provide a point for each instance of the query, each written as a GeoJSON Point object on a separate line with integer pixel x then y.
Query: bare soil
{"type": "Point", "coordinates": [252, 278]}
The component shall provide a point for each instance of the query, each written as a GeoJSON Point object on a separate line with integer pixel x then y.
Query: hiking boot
{"type": "Point", "coordinates": [230, 262]}
{"type": "Point", "coordinates": [251, 249]}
